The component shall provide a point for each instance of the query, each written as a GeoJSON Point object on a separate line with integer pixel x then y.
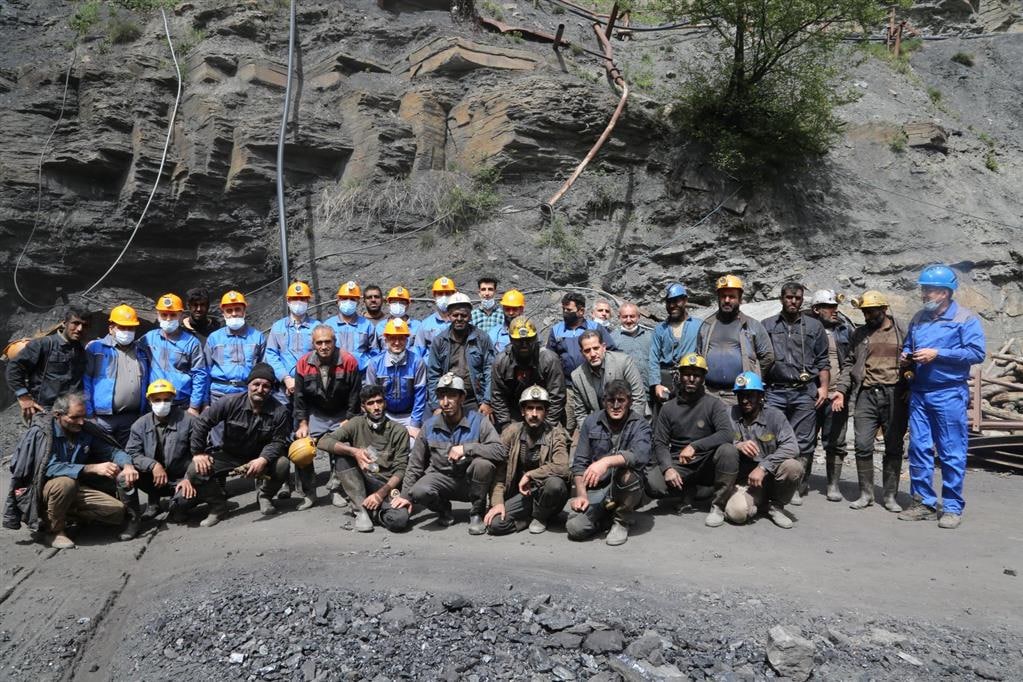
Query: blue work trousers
{"type": "Point", "coordinates": [937, 422]}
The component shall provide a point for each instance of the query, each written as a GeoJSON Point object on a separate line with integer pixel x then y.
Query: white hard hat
{"type": "Point", "coordinates": [536, 394]}
{"type": "Point", "coordinates": [452, 382]}
{"type": "Point", "coordinates": [824, 297]}
{"type": "Point", "coordinates": [458, 298]}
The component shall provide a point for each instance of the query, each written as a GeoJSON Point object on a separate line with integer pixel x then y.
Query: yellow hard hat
{"type": "Point", "coordinates": [396, 327]}
{"type": "Point", "coordinates": [161, 386]}
{"type": "Point", "coordinates": [693, 360]}
{"type": "Point", "coordinates": [169, 303]}
{"type": "Point", "coordinates": [302, 452]}
{"type": "Point", "coordinates": [399, 293]}
{"type": "Point", "coordinates": [232, 298]}
{"type": "Point", "coordinates": [349, 289]}
{"type": "Point", "coordinates": [513, 298]}
{"type": "Point", "coordinates": [870, 299]}
{"type": "Point", "coordinates": [299, 290]}
{"type": "Point", "coordinates": [522, 328]}
{"type": "Point", "coordinates": [729, 282]}
{"type": "Point", "coordinates": [443, 285]}
{"type": "Point", "coordinates": [125, 316]}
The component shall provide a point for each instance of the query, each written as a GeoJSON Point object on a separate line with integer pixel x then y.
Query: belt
{"type": "Point", "coordinates": [236, 384]}
{"type": "Point", "coordinates": [878, 387]}
{"type": "Point", "coordinates": [797, 384]}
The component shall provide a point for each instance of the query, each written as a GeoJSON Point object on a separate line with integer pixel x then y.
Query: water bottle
{"type": "Point", "coordinates": [373, 467]}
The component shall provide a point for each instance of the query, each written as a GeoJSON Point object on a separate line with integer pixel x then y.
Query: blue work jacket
{"type": "Point", "coordinates": [958, 337]}
{"type": "Point", "coordinates": [565, 342]}
{"type": "Point", "coordinates": [181, 362]}
{"type": "Point", "coordinates": [101, 374]}
{"type": "Point", "coordinates": [230, 356]}
{"type": "Point", "coordinates": [68, 458]}
{"type": "Point", "coordinates": [287, 342]}
{"type": "Point", "coordinates": [666, 351]}
{"type": "Point", "coordinates": [404, 385]}
{"type": "Point", "coordinates": [358, 338]}
{"type": "Point", "coordinates": [479, 355]}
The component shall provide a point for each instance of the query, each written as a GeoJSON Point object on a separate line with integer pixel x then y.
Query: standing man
{"type": "Point", "coordinates": [373, 302]}
{"type": "Point", "coordinates": [398, 301]}
{"type": "Point", "coordinates": [799, 378]}
{"type": "Point", "coordinates": [513, 304]}
{"type": "Point", "coordinates": [672, 339]}
{"type": "Point", "coordinates": [871, 380]}
{"type": "Point", "coordinates": [521, 365]}
{"type": "Point", "coordinates": [464, 351]}
{"type": "Point", "coordinates": [607, 468]}
{"type": "Point", "coordinates": [487, 316]}
{"type": "Point", "coordinates": [831, 424]}
{"type": "Point", "coordinates": [600, 369]}
{"type": "Point", "coordinates": [602, 313]}
{"type": "Point", "coordinates": [233, 350]}
{"type": "Point", "coordinates": [175, 355]}
{"type": "Point", "coordinates": [49, 366]}
{"type": "Point", "coordinates": [400, 372]}
{"type": "Point", "coordinates": [116, 369]}
{"type": "Point", "coordinates": [632, 339]}
{"type": "Point", "coordinates": [531, 485]}
{"type": "Point", "coordinates": [732, 342]}
{"type": "Point", "coordinates": [455, 458]}
{"type": "Point", "coordinates": [290, 338]}
{"type": "Point", "coordinates": [198, 320]}
{"type": "Point", "coordinates": [943, 341]}
{"type": "Point", "coordinates": [354, 333]}
{"type": "Point", "coordinates": [431, 325]}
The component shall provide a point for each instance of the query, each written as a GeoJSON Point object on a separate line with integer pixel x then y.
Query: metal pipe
{"type": "Point", "coordinates": [280, 158]}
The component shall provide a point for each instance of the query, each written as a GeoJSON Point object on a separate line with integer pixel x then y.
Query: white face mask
{"type": "Point", "coordinates": [161, 408]}
{"type": "Point", "coordinates": [396, 358]}
{"type": "Point", "coordinates": [397, 309]}
{"type": "Point", "coordinates": [630, 328]}
{"type": "Point", "coordinates": [170, 326]}
{"type": "Point", "coordinates": [606, 324]}
{"type": "Point", "coordinates": [488, 303]}
{"type": "Point", "coordinates": [442, 303]}
{"type": "Point", "coordinates": [235, 323]}
{"type": "Point", "coordinates": [298, 307]}
{"type": "Point", "coordinates": [347, 307]}
{"type": "Point", "coordinates": [123, 338]}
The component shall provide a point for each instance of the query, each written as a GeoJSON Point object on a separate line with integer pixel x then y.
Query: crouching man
{"type": "Point", "coordinates": [454, 458]}
{"type": "Point", "coordinates": [613, 450]}
{"type": "Point", "coordinates": [371, 453]}
{"type": "Point", "coordinates": [65, 467]}
{"type": "Point", "coordinates": [696, 426]}
{"type": "Point", "coordinates": [531, 485]}
{"type": "Point", "coordinates": [769, 468]}
{"type": "Point", "coordinates": [256, 436]}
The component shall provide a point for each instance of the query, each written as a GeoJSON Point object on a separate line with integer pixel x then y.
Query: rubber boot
{"type": "Point", "coordinates": [307, 477]}
{"type": "Point", "coordinates": [865, 472]}
{"type": "Point", "coordinates": [476, 526]}
{"type": "Point", "coordinates": [132, 517]}
{"type": "Point", "coordinates": [891, 470]}
{"type": "Point", "coordinates": [833, 463]}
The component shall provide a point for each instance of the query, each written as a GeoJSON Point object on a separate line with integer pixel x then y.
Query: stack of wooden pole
{"type": "Point", "coordinates": [1000, 390]}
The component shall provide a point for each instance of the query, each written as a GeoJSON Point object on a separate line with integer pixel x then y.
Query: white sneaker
{"type": "Point", "coordinates": [778, 516]}
{"type": "Point", "coordinates": [715, 517]}
{"type": "Point", "coordinates": [338, 500]}
{"type": "Point", "coordinates": [536, 526]}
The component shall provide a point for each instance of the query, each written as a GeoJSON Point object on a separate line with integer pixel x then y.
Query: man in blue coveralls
{"type": "Point", "coordinates": [943, 340]}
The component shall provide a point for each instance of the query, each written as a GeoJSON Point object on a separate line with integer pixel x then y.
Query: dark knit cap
{"type": "Point", "coordinates": [262, 371]}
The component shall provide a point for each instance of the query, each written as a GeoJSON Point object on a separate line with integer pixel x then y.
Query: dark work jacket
{"type": "Point", "coordinates": [552, 455]}
{"type": "Point", "coordinates": [595, 442]}
{"type": "Point", "coordinates": [177, 442]}
{"type": "Point", "coordinates": [851, 379]}
{"type": "Point", "coordinates": [509, 380]}
{"type": "Point", "coordinates": [46, 368]}
{"type": "Point", "coordinates": [247, 434]}
{"type": "Point", "coordinates": [798, 347]}
{"type": "Point", "coordinates": [479, 356]}
{"type": "Point", "coordinates": [704, 424]}
{"type": "Point", "coordinates": [340, 398]}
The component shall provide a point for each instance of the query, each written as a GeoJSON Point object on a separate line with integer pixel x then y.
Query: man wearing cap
{"type": "Point", "coordinates": [455, 458]}
{"type": "Point", "coordinates": [607, 468]}
{"type": "Point", "coordinates": [198, 320]}
{"type": "Point", "coordinates": [436, 322]}
{"type": "Point", "coordinates": [632, 339]}
{"type": "Point", "coordinates": [769, 466]}
{"type": "Point", "coordinates": [692, 443]}
{"type": "Point", "coordinates": [290, 338]}
{"type": "Point", "coordinates": [400, 372]}
{"type": "Point", "coordinates": [371, 455]}
{"type": "Point", "coordinates": [831, 424]}
{"type": "Point", "coordinates": [160, 449]}
{"type": "Point", "coordinates": [464, 351]}
{"type": "Point", "coordinates": [354, 333]}
{"type": "Point", "coordinates": [487, 315]}
{"type": "Point", "coordinates": [871, 380]}
{"type": "Point", "coordinates": [398, 301]}
{"type": "Point", "coordinates": [798, 380]}
{"type": "Point", "coordinates": [942, 342]}
{"type": "Point", "coordinates": [671, 339]}
{"type": "Point", "coordinates": [257, 432]}
{"type": "Point", "coordinates": [600, 367]}
{"type": "Point", "coordinates": [326, 394]}
{"type": "Point", "coordinates": [175, 355]}
{"type": "Point", "coordinates": [373, 304]}
{"type": "Point", "coordinates": [233, 350]}
{"type": "Point", "coordinates": [513, 304]}
{"type": "Point", "coordinates": [531, 486]}
{"type": "Point", "coordinates": [116, 369]}
{"type": "Point", "coordinates": [521, 365]}
{"type": "Point", "coordinates": [732, 342]}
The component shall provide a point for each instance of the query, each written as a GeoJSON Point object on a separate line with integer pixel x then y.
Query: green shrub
{"type": "Point", "coordinates": [121, 31]}
{"type": "Point", "coordinates": [964, 58]}
{"type": "Point", "coordinates": [466, 204]}
{"type": "Point", "coordinates": [990, 162]}
{"type": "Point", "coordinates": [934, 94]}
{"type": "Point", "coordinates": [899, 142]}
{"type": "Point", "coordinates": [85, 17]}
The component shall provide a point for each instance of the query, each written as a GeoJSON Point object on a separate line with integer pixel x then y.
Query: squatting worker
{"type": "Point", "coordinates": [49, 366]}
{"type": "Point", "coordinates": [873, 383]}
{"type": "Point", "coordinates": [692, 443]}
{"type": "Point", "coordinates": [175, 355]}
{"type": "Point", "coordinates": [531, 485]}
{"type": "Point", "coordinates": [454, 458]}
{"type": "Point", "coordinates": [257, 431]}
{"type": "Point", "coordinates": [732, 342]}
{"type": "Point", "coordinates": [65, 466]}
{"type": "Point", "coordinates": [942, 341]}
{"type": "Point", "coordinates": [672, 339]}
{"type": "Point", "coordinates": [116, 368]}
{"type": "Point", "coordinates": [371, 454]}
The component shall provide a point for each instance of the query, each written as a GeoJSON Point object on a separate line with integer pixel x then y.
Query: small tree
{"type": "Point", "coordinates": [768, 97]}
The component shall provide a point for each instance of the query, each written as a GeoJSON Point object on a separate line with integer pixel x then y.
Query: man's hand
{"type": "Point", "coordinates": [456, 453]}
{"type": "Point", "coordinates": [756, 477]}
{"type": "Point", "coordinates": [687, 454]}
{"type": "Point", "coordinates": [131, 475]}
{"type": "Point", "coordinates": [822, 396]}
{"type": "Point", "coordinates": [195, 411]}
{"type": "Point", "coordinates": [107, 469]}
{"type": "Point", "coordinates": [413, 431]}
{"type": "Point", "coordinates": [925, 355]}
{"type": "Point", "coordinates": [594, 472]}
{"type": "Point", "coordinates": [525, 486]}
{"type": "Point", "coordinates": [185, 489]}
{"type": "Point", "coordinates": [203, 464]}
{"type": "Point", "coordinates": [495, 511]}
{"type": "Point", "coordinates": [159, 475]}
{"type": "Point", "coordinates": [289, 385]}
{"type": "Point", "coordinates": [303, 429]}
{"type": "Point", "coordinates": [255, 467]}
{"type": "Point", "coordinates": [580, 503]}
{"type": "Point", "coordinates": [748, 448]}
{"type": "Point", "coordinates": [838, 403]}
{"type": "Point", "coordinates": [673, 478]}
{"type": "Point", "coordinates": [29, 407]}
{"type": "Point", "coordinates": [372, 501]}
{"type": "Point", "coordinates": [361, 458]}
{"type": "Point", "coordinates": [487, 411]}
{"type": "Point", "coordinates": [401, 503]}
{"type": "Point", "coordinates": [661, 392]}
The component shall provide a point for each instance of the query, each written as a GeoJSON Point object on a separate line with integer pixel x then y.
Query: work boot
{"type": "Point", "coordinates": [62, 541]}
{"type": "Point", "coordinates": [865, 473]}
{"type": "Point", "coordinates": [333, 483]}
{"type": "Point", "coordinates": [618, 535]}
{"type": "Point", "coordinates": [833, 464]}
{"type": "Point", "coordinates": [308, 502]}
{"type": "Point", "coordinates": [214, 516]}
{"type": "Point", "coordinates": [338, 500]}
{"type": "Point", "coordinates": [266, 505]}
{"type": "Point", "coordinates": [797, 497]}
{"type": "Point", "coordinates": [285, 491]}
{"type": "Point", "coordinates": [918, 512]}
{"type": "Point", "coordinates": [891, 470]}
{"type": "Point", "coordinates": [949, 520]}
{"type": "Point", "coordinates": [715, 517]}
{"type": "Point", "coordinates": [778, 517]}
{"type": "Point", "coordinates": [363, 523]}
{"type": "Point", "coordinates": [476, 526]}
{"type": "Point", "coordinates": [132, 524]}
{"type": "Point", "coordinates": [536, 526]}
{"type": "Point", "coordinates": [444, 516]}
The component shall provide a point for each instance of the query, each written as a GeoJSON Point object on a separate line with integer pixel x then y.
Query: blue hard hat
{"type": "Point", "coordinates": [675, 290]}
{"type": "Point", "coordinates": [748, 381]}
{"type": "Point", "coordinates": [938, 276]}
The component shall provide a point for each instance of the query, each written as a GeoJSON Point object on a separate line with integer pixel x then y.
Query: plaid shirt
{"type": "Point", "coordinates": [486, 321]}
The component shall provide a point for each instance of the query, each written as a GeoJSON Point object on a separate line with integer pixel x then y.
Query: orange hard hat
{"type": "Point", "coordinates": [169, 303]}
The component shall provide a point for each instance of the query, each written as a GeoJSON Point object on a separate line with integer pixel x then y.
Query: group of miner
{"type": "Point", "coordinates": [468, 405]}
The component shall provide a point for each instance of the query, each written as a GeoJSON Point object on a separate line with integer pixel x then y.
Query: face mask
{"type": "Point", "coordinates": [124, 338]}
{"type": "Point", "coordinates": [347, 307]}
{"type": "Point", "coordinates": [170, 326]}
{"type": "Point", "coordinates": [235, 323]}
{"type": "Point", "coordinates": [488, 303]}
{"type": "Point", "coordinates": [397, 309]}
{"type": "Point", "coordinates": [161, 408]}
{"type": "Point", "coordinates": [442, 304]}
{"type": "Point", "coordinates": [396, 358]}
{"type": "Point", "coordinates": [570, 318]}
{"type": "Point", "coordinates": [298, 307]}
{"type": "Point", "coordinates": [630, 328]}
{"type": "Point", "coordinates": [931, 306]}
{"type": "Point", "coordinates": [606, 324]}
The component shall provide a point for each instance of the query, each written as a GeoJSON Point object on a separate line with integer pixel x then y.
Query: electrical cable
{"type": "Point", "coordinates": [280, 155]}
{"type": "Point", "coordinates": [163, 159]}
